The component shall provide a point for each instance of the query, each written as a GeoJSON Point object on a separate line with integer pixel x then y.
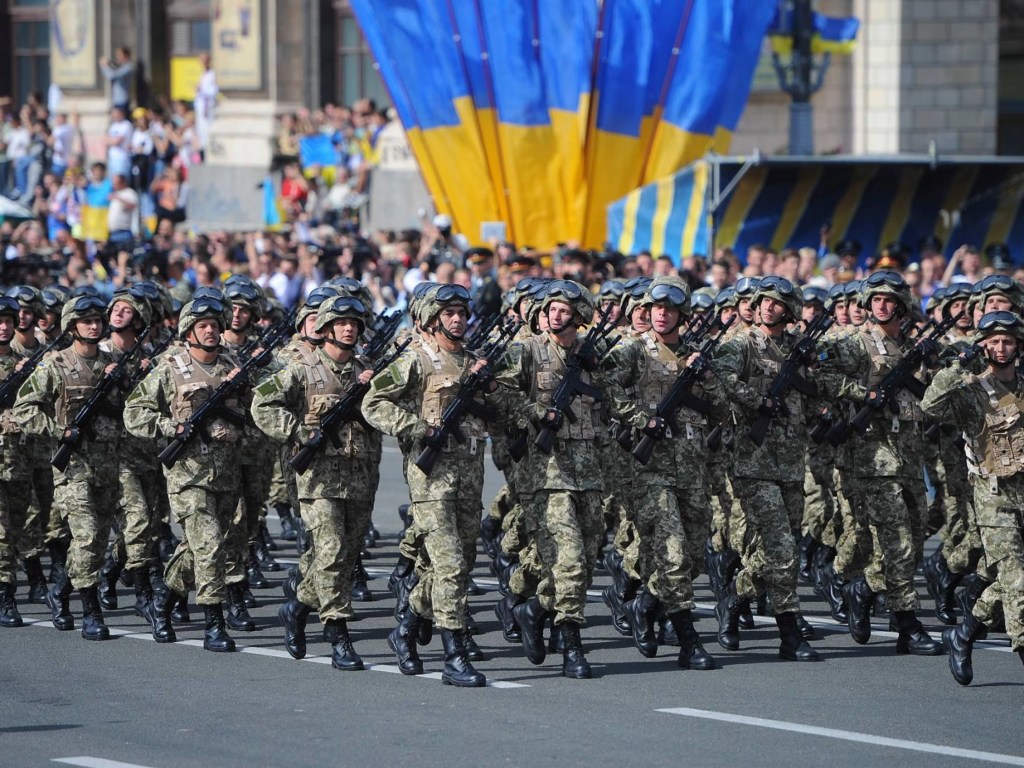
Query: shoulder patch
{"type": "Point", "coordinates": [268, 387]}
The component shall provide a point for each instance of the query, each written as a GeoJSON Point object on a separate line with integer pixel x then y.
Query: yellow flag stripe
{"type": "Point", "coordinates": [740, 202]}
{"type": "Point", "coordinates": [795, 207]}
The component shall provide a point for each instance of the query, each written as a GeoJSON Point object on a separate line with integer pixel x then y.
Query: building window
{"type": "Point", "coordinates": [31, 53]}
{"type": "Point", "coordinates": [358, 76]}
{"type": "Point", "coordinates": [190, 36]}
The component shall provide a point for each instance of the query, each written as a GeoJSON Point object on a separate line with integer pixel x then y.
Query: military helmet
{"type": "Point", "coordinates": [572, 293]}
{"type": "Point", "coordinates": [611, 290]}
{"type": "Point", "coordinates": [999, 285]}
{"type": "Point", "coordinates": [726, 298]}
{"type": "Point", "coordinates": [951, 293]}
{"type": "Point", "coordinates": [780, 289]}
{"type": "Point", "coordinates": [10, 306]}
{"type": "Point", "coordinates": [198, 309]}
{"type": "Point", "coordinates": [889, 283]}
{"type": "Point", "coordinates": [935, 300]}
{"type": "Point", "coordinates": [312, 303]}
{"type": "Point", "coordinates": [440, 297]}
{"type": "Point", "coordinates": [28, 298]}
{"type": "Point", "coordinates": [524, 288]}
{"type": "Point", "coordinates": [635, 288]}
{"type": "Point", "coordinates": [338, 308]}
{"type": "Point", "coordinates": [811, 294]}
{"type": "Point", "coordinates": [1001, 321]}
{"type": "Point", "coordinates": [211, 292]}
{"type": "Point", "coordinates": [245, 293]}
{"type": "Point", "coordinates": [670, 291]}
{"type": "Point", "coordinates": [349, 286]}
{"type": "Point", "coordinates": [54, 298]}
{"type": "Point", "coordinates": [81, 308]}
{"type": "Point", "coordinates": [135, 298]}
{"type": "Point", "coordinates": [86, 290]}
{"type": "Point", "coordinates": [746, 287]}
{"type": "Point", "coordinates": [163, 307]}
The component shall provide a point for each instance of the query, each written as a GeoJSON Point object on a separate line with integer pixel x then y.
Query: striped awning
{"type": "Point", "coordinates": [785, 203]}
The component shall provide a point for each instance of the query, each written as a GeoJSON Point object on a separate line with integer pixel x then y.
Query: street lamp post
{"type": "Point", "coordinates": [801, 77]}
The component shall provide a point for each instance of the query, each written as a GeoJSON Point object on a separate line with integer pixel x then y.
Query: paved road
{"type": "Point", "coordinates": [129, 702]}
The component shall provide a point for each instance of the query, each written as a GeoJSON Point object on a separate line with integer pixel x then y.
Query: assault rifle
{"type": "Point", "coordinates": [213, 406]}
{"type": "Point", "coordinates": [140, 373]}
{"type": "Point", "coordinates": [572, 384]}
{"type": "Point", "coordinates": [384, 328]}
{"type": "Point", "coordinates": [482, 331]}
{"type": "Point", "coordinates": [81, 425]}
{"type": "Point", "coordinates": [680, 394]}
{"type": "Point", "coordinates": [464, 403]}
{"type": "Point", "coordinates": [9, 386]}
{"type": "Point", "coordinates": [271, 337]}
{"type": "Point", "coordinates": [346, 409]}
{"type": "Point", "coordinates": [789, 377]}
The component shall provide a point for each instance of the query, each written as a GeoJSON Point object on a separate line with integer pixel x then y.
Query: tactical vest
{"type": "Point", "coordinates": [78, 384]}
{"type": "Point", "coordinates": [998, 451]}
{"type": "Point", "coordinates": [193, 387]}
{"type": "Point", "coordinates": [549, 369]}
{"type": "Point", "coordinates": [885, 354]}
{"type": "Point", "coordinates": [323, 392]}
{"type": "Point", "coordinates": [661, 369]}
{"type": "Point", "coordinates": [442, 380]}
{"type": "Point", "coordinates": [763, 368]}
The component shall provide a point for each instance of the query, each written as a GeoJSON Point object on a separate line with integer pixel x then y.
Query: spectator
{"type": "Point", "coordinates": [62, 144]}
{"type": "Point", "coordinates": [119, 144]}
{"type": "Point", "coordinates": [123, 204]}
{"type": "Point", "coordinates": [205, 103]}
{"type": "Point", "coordinates": [142, 149]}
{"type": "Point", "coordinates": [119, 74]}
{"type": "Point", "coordinates": [964, 267]}
{"type": "Point", "coordinates": [19, 137]}
{"type": "Point", "coordinates": [294, 191]}
{"type": "Point", "coordinates": [170, 196]}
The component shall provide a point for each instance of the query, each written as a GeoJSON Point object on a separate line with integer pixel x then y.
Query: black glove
{"type": "Point", "coordinates": [553, 419]}
{"type": "Point", "coordinates": [655, 427]}
{"type": "Point", "coordinates": [929, 347]}
{"type": "Point", "coordinates": [874, 399]}
{"type": "Point", "coordinates": [768, 406]}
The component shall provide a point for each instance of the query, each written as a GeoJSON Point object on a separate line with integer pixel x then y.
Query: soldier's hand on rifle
{"type": "Point", "coordinates": [70, 435]}
{"type": "Point", "coordinates": [929, 347]}
{"type": "Point", "coordinates": [109, 369]}
{"type": "Point", "coordinates": [21, 364]}
{"type": "Point", "coordinates": [553, 419]}
{"type": "Point", "coordinates": [655, 427]}
{"type": "Point", "coordinates": [365, 376]}
{"type": "Point", "coordinates": [233, 373]}
{"type": "Point", "coordinates": [768, 406]}
{"type": "Point", "coordinates": [693, 359]}
{"type": "Point", "coordinates": [874, 399]}
{"type": "Point", "coordinates": [488, 384]}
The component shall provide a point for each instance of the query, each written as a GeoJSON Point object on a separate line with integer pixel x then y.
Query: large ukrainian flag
{"type": "Point", "coordinates": [539, 114]}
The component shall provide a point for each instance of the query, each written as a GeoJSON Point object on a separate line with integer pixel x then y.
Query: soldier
{"type": "Point", "coordinates": [14, 488]}
{"type": "Point", "coordinates": [203, 485]}
{"type": "Point", "coordinates": [887, 461]}
{"type": "Point", "coordinates": [768, 479]}
{"type": "Point", "coordinates": [745, 289]}
{"type": "Point", "coordinates": [446, 504]}
{"type": "Point", "coordinates": [988, 408]}
{"type": "Point", "coordinates": [86, 491]}
{"type": "Point", "coordinates": [669, 508]}
{"type": "Point", "coordinates": [335, 492]}
{"type": "Point", "coordinates": [567, 502]}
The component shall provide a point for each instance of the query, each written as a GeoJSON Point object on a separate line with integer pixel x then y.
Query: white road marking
{"type": "Point", "coordinates": [260, 651]}
{"type": "Point", "coordinates": [861, 738]}
{"type": "Point", "coordinates": [94, 762]}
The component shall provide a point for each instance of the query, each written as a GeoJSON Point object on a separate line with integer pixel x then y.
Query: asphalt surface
{"type": "Point", "coordinates": [130, 702]}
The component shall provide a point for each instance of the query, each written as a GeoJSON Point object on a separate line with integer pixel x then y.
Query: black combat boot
{"type": "Point", "coordinates": [108, 582]}
{"type": "Point", "coordinates": [253, 574]}
{"type": "Point", "coordinates": [57, 600]}
{"type": "Point", "coordinates": [264, 547]}
{"type": "Point", "coordinates": [179, 609]}
{"type": "Point", "coordinates": [404, 515]}
{"type": "Point", "coordinates": [473, 651]}
{"type": "Point", "coordinates": [360, 591]}
{"type": "Point", "coordinates": [238, 617]}
{"type": "Point", "coordinates": [858, 597]}
{"type": "Point", "coordinates": [9, 616]}
{"type": "Point", "coordinates": [832, 589]}
{"type": "Point", "coordinates": [530, 616]}
{"type": "Point", "coordinates": [691, 652]}
{"type": "Point", "coordinates": [143, 592]}
{"type": "Point", "coordinates": [93, 627]}
{"type": "Point", "coordinates": [159, 615]}
{"type": "Point", "coordinates": [793, 647]}
{"type": "Point", "coordinates": [293, 615]}
{"type": "Point", "coordinates": [503, 567]}
{"type": "Point", "coordinates": [290, 586]}
{"type": "Point", "coordinates": [808, 548]}
{"type": "Point", "coordinates": [343, 654]}
{"type": "Point", "coordinates": [710, 562]}
{"type": "Point", "coordinates": [617, 596]}
{"type": "Point", "coordinates": [247, 596]}
{"type": "Point", "coordinates": [728, 612]}
{"type": "Point", "coordinates": [642, 610]}
{"type": "Point", "coordinates": [806, 630]}
{"type": "Point", "coordinates": [912, 638]}
{"type": "Point", "coordinates": [302, 539]}
{"type": "Point", "coordinates": [156, 576]}
{"type": "Point", "coordinates": [215, 636]}
{"type": "Point", "coordinates": [942, 584]}
{"type": "Point", "coordinates": [58, 558]}
{"type": "Point", "coordinates": [555, 639]}
{"type": "Point", "coordinates": [404, 588]}
{"type": "Point", "coordinates": [574, 663]}
{"type": "Point", "coordinates": [959, 641]}
{"type": "Point", "coordinates": [424, 632]}
{"type": "Point", "coordinates": [746, 620]}
{"type": "Point", "coordinates": [509, 627]}
{"type": "Point", "coordinates": [666, 630]}
{"type": "Point", "coordinates": [458, 670]}
{"type": "Point", "coordinates": [490, 528]}
{"type": "Point", "coordinates": [37, 586]}
{"type": "Point", "coordinates": [284, 514]}
{"type": "Point", "coordinates": [402, 640]}
{"type": "Point", "coordinates": [402, 569]}
{"type": "Point", "coordinates": [469, 622]}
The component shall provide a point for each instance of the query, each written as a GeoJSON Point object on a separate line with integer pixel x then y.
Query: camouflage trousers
{"type": "Point", "coordinates": [772, 512]}
{"type": "Point", "coordinates": [202, 561]}
{"type": "Point", "coordinates": [1001, 527]}
{"type": "Point", "coordinates": [569, 538]}
{"type": "Point", "coordinates": [42, 516]}
{"type": "Point", "coordinates": [87, 502]}
{"type": "Point", "coordinates": [255, 489]}
{"type": "Point", "coordinates": [819, 495]}
{"type": "Point", "coordinates": [961, 538]}
{"type": "Point", "coordinates": [137, 511]}
{"type": "Point", "coordinates": [853, 544]}
{"type": "Point", "coordinates": [443, 530]}
{"type": "Point", "coordinates": [336, 527]}
{"type": "Point", "coordinates": [672, 528]}
{"type": "Point", "coordinates": [282, 488]}
{"type": "Point", "coordinates": [14, 500]}
{"type": "Point", "coordinates": [727, 526]}
{"type": "Point", "coordinates": [895, 510]}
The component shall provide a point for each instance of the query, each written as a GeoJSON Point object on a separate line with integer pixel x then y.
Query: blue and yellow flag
{"type": "Point", "coordinates": [831, 35]}
{"type": "Point", "coordinates": [540, 114]}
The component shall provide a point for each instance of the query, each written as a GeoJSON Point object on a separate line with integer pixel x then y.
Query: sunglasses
{"type": "Point", "coordinates": [885, 277]}
{"type": "Point", "coordinates": [451, 292]}
{"type": "Point", "coordinates": [852, 288]}
{"type": "Point", "coordinates": [672, 294]}
{"type": "Point", "coordinates": [51, 299]}
{"type": "Point", "coordinates": [1001, 318]}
